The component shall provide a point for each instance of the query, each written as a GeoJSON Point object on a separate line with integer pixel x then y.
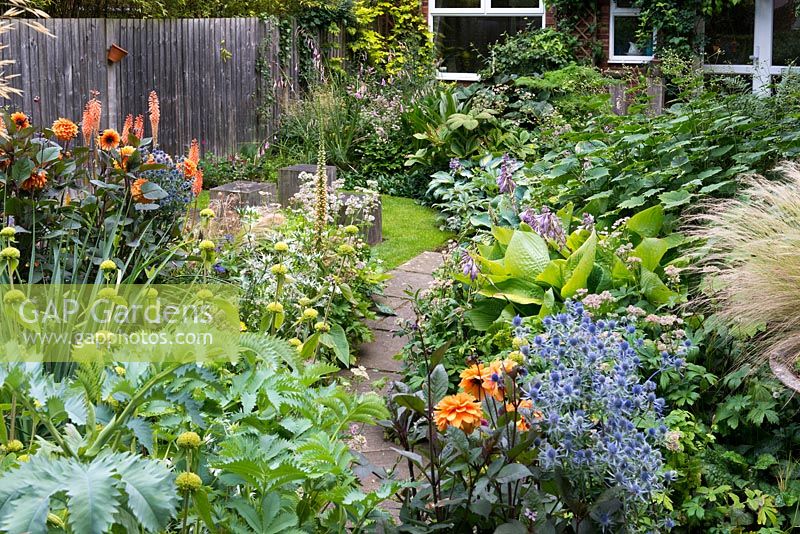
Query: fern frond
{"type": "Point", "coordinates": [269, 349]}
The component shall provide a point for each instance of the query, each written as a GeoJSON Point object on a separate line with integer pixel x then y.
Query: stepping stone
{"type": "Point", "coordinates": [374, 376]}
{"type": "Point", "coordinates": [406, 281]}
{"type": "Point", "coordinates": [379, 354]}
{"type": "Point", "coordinates": [383, 460]}
{"type": "Point", "coordinates": [425, 263]}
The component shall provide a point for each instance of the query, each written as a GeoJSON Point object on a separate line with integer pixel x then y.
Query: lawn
{"type": "Point", "coordinates": [408, 230]}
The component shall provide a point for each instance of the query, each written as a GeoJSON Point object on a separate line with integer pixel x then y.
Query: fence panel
{"type": "Point", "coordinates": [204, 70]}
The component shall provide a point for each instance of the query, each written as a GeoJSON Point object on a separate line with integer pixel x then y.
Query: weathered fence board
{"type": "Point", "coordinates": [204, 70]}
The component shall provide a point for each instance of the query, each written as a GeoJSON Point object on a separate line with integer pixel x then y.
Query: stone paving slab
{"type": "Point", "coordinates": [404, 283]}
{"type": "Point", "coordinates": [378, 359]}
{"type": "Point", "coordinates": [376, 378]}
{"type": "Point", "coordinates": [379, 354]}
{"type": "Point", "coordinates": [425, 263]}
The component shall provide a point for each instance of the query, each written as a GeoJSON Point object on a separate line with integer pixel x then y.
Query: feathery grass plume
{"type": "Point", "coordinates": [90, 123]}
{"type": "Point", "coordinates": [138, 127]}
{"type": "Point", "coordinates": [321, 204]}
{"type": "Point", "coordinates": [126, 128]}
{"type": "Point", "coordinates": [752, 262]}
{"type": "Point", "coordinates": [154, 110]}
{"type": "Point", "coordinates": [17, 8]}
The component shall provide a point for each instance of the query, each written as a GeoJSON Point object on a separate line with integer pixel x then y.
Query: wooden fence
{"type": "Point", "coordinates": [209, 75]}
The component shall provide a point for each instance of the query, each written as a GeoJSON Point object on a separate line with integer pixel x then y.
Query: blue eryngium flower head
{"type": "Point", "coordinates": [588, 381]}
{"type": "Point", "coordinates": [516, 321]}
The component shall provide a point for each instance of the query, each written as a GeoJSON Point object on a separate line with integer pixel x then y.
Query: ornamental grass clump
{"type": "Point", "coordinates": [752, 261]}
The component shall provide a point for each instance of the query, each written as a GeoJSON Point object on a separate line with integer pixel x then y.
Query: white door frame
{"type": "Point", "coordinates": [761, 68]}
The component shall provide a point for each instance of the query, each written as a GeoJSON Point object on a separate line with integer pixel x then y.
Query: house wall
{"type": "Point", "coordinates": [603, 27]}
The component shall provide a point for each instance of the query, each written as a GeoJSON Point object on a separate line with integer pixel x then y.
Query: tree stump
{"type": "Point", "coordinates": [289, 180]}
{"type": "Point", "coordinates": [241, 194]}
{"type": "Point", "coordinates": [372, 233]}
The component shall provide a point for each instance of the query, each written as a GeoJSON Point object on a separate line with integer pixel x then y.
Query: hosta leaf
{"type": "Point", "coordinates": [650, 251]}
{"type": "Point", "coordinates": [647, 223]}
{"type": "Point", "coordinates": [527, 255]}
{"type": "Point", "coordinates": [579, 267]}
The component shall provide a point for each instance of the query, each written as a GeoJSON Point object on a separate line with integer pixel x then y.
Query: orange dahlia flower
{"type": "Point", "coordinates": [36, 181]}
{"type": "Point", "coordinates": [65, 129]}
{"type": "Point", "coordinates": [109, 139]}
{"type": "Point", "coordinates": [494, 382]}
{"type": "Point", "coordinates": [136, 191]}
{"type": "Point", "coordinates": [472, 380]}
{"type": "Point", "coordinates": [460, 410]}
{"type": "Point", "coordinates": [20, 119]}
{"type": "Point", "coordinates": [188, 167]}
{"type": "Point", "coordinates": [525, 404]}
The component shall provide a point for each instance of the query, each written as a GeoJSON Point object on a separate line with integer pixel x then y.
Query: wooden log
{"type": "Point", "coordinates": [241, 193]}
{"type": "Point", "coordinates": [372, 233]}
{"type": "Point", "coordinates": [289, 180]}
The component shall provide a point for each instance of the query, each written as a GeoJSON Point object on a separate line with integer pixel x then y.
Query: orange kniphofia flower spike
{"type": "Point", "coordinates": [194, 151]}
{"type": "Point", "coordinates": [197, 185]}
{"type": "Point", "coordinates": [138, 127]}
{"type": "Point", "coordinates": [126, 128]}
{"type": "Point", "coordinates": [90, 122]}
{"type": "Point", "coordinates": [154, 110]}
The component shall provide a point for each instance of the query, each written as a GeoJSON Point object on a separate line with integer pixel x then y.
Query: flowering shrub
{"type": "Point", "coordinates": [115, 197]}
{"type": "Point", "coordinates": [564, 432]}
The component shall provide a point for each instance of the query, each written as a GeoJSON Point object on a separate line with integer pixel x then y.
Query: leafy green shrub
{"type": "Point", "coordinates": [533, 51]}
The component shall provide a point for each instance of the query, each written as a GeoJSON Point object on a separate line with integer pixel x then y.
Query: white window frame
{"type": "Point", "coordinates": [761, 68]}
{"type": "Point", "coordinates": [623, 12]}
{"type": "Point", "coordinates": [485, 10]}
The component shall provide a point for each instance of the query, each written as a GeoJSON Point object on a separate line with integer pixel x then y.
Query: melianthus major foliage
{"type": "Point", "coordinates": [256, 444]}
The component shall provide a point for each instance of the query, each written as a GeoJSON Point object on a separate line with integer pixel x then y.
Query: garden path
{"type": "Point", "coordinates": [378, 356]}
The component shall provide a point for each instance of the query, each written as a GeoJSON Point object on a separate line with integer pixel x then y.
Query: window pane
{"type": "Point", "coordinates": [624, 4]}
{"type": "Point", "coordinates": [529, 4]}
{"type": "Point", "coordinates": [461, 41]}
{"type": "Point", "coordinates": [458, 3]}
{"type": "Point", "coordinates": [729, 35]}
{"type": "Point", "coordinates": [626, 39]}
{"type": "Point", "coordinates": [785, 33]}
